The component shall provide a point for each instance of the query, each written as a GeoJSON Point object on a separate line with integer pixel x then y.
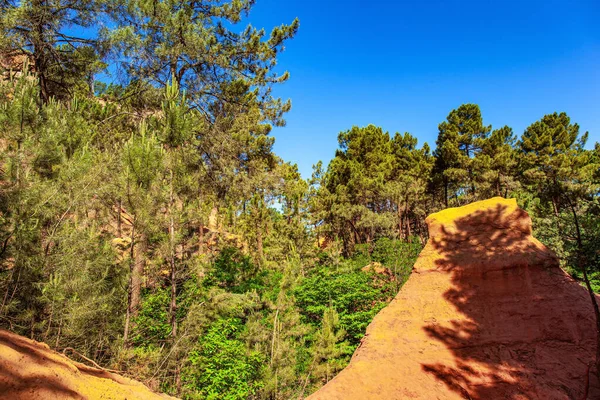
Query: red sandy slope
{"type": "Point", "coordinates": [486, 314]}
{"type": "Point", "coordinates": [29, 370]}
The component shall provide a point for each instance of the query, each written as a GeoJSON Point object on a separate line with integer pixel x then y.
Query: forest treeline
{"type": "Point", "coordinates": [146, 222]}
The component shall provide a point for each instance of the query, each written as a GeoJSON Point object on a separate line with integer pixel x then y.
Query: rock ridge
{"type": "Point", "coordinates": [499, 319]}
{"type": "Point", "coordinates": [30, 370]}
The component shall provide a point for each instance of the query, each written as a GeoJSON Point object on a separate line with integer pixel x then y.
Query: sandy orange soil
{"type": "Point", "coordinates": [29, 370]}
{"type": "Point", "coordinates": [486, 314]}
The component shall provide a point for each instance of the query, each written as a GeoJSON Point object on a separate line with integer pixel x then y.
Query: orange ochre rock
{"type": "Point", "coordinates": [486, 314]}
{"type": "Point", "coordinates": [29, 370]}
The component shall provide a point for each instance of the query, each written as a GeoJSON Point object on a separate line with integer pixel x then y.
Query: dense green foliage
{"type": "Point", "coordinates": [148, 224]}
{"type": "Point", "coordinates": [220, 367]}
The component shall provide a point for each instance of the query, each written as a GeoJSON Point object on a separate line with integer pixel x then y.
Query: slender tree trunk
{"type": "Point", "coordinates": [58, 334]}
{"type": "Point", "coordinates": [273, 337]}
{"type": "Point", "coordinates": [49, 321]}
{"type": "Point", "coordinates": [173, 69]}
{"type": "Point", "coordinates": [407, 220]}
{"type": "Point", "coordinates": [400, 228]}
{"type": "Point", "coordinates": [119, 211]}
{"type": "Point", "coordinates": [446, 191]}
{"type": "Point", "coordinates": [555, 207]}
{"type": "Point", "coordinates": [42, 82]}
{"type": "Point", "coordinates": [200, 222]}
{"type": "Point", "coordinates": [178, 378]}
{"type": "Point", "coordinates": [130, 288]}
{"type": "Point", "coordinates": [273, 341]}
{"type": "Point", "coordinates": [39, 58]}
{"type": "Point", "coordinates": [259, 226]}
{"type": "Point", "coordinates": [137, 273]}
{"type": "Point", "coordinates": [173, 306]}
{"type": "Point", "coordinates": [355, 231]}
{"type": "Point", "coordinates": [499, 186]}
{"type": "Point", "coordinates": [16, 285]}
{"type": "Point", "coordinates": [581, 260]}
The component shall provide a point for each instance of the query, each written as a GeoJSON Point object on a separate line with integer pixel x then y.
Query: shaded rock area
{"type": "Point", "coordinates": [29, 370]}
{"type": "Point", "coordinates": [486, 314]}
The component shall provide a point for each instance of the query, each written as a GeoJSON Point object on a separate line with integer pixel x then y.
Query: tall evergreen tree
{"type": "Point", "coordinates": [547, 147]}
{"type": "Point", "coordinates": [328, 347]}
{"type": "Point", "coordinates": [459, 140]}
{"type": "Point", "coordinates": [408, 183]}
{"type": "Point", "coordinates": [560, 172]}
{"type": "Point", "coordinates": [357, 176]}
{"type": "Point", "coordinates": [496, 164]}
{"type": "Point", "coordinates": [192, 43]}
{"type": "Point", "coordinates": [42, 31]}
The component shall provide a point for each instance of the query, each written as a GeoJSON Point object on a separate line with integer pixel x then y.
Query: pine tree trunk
{"type": "Point", "coordinates": [446, 192]}
{"type": "Point", "coordinates": [173, 305]}
{"type": "Point", "coordinates": [400, 228]}
{"type": "Point", "coordinates": [39, 59]}
{"type": "Point", "coordinates": [119, 211]}
{"type": "Point", "coordinates": [178, 379]}
{"type": "Point", "coordinates": [407, 221]}
{"type": "Point", "coordinates": [555, 207]}
{"type": "Point", "coordinates": [137, 273]}
{"type": "Point", "coordinates": [130, 288]}
{"type": "Point", "coordinates": [200, 222]}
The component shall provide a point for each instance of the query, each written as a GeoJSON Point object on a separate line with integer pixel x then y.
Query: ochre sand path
{"type": "Point", "coordinates": [486, 314]}
{"type": "Point", "coordinates": [29, 370]}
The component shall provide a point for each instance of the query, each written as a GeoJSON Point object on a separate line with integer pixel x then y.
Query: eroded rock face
{"type": "Point", "coordinates": [486, 314]}
{"type": "Point", "coordinates": [29, 370]}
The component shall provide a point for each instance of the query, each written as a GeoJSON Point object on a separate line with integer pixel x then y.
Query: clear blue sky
{"type": "Point", "coordinates": [404, 65]}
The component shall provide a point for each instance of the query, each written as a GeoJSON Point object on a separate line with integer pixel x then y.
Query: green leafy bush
{"type": "Point", "coordinates": [221, 366]}
{"type": "Point", "coordinates": [355, 296]}
{"type": "Point", "coordinates": [151, 326]}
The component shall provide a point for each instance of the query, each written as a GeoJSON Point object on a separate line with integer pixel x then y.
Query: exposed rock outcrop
{"type": "Point", "coordinates": [486, 314]}
{"type": "Point", "coordinates": [29, 370]}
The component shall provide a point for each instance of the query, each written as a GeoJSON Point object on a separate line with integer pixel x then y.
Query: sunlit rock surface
{"type": "Point", "coordinates": [486, 314]}
{"type": "Point", "coordinates": [29, 370]}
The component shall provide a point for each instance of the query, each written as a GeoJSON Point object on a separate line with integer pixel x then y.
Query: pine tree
{"type": "Point", "coordinates": [560, 172]}
{"type": "Point", "coordinates": [408, 183]}
{"type": "Point", "coordinates": [496, 164]}
{"type": "Point", "coordinates": [287, 335]}
{"type": "Point", "coordinates": [327, 346]}
{"type": "Point", "coordinates": [356, 178]}
{"type": "Point", "coordinates": [546, 149]}
{"type": "Point", "coordinates": [42, 31]}
{"type": "Point", "coordinates": [191, 43]}
{"type": "Point", "coordinates": [459, 140]}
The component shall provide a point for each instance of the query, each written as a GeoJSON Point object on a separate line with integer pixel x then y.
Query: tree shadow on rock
{"type": "Point", "coordinates": [522, 329]}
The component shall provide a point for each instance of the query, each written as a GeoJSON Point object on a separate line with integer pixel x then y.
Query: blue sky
{"type": "Point", "coordinates": [404, 65]}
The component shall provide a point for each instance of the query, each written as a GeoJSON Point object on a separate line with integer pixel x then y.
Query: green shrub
{"type": "Point", "coordinates": [355, 296]}
{"type": "Point", "coordinates": [221, 367]}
